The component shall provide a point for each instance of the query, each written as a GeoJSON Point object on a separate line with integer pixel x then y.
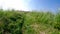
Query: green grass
{"type": "Point", "coordinates": [20, 22]}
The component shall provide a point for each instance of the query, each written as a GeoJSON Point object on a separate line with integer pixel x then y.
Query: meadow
{"type": "Point", "coordinates": [33, 22]}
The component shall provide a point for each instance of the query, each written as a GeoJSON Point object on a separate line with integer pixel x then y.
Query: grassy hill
{"type": "Point", "coordinates": [21, 22]}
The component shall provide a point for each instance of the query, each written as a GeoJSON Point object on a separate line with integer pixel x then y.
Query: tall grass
{"type": "Point", "coordinates": [20, 22]}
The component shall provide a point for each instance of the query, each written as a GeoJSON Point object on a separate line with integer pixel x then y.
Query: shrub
{"type": "Point", "coordinates": [11, 22]}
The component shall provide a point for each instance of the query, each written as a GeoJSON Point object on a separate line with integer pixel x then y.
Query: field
{"type": "Point", "coordinates": [21, 22]}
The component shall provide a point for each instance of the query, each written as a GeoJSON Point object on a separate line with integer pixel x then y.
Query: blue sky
{"type": "Point", "coordinates": [52, 5]}
{"type": "Point", "coordinates": [27, 5]}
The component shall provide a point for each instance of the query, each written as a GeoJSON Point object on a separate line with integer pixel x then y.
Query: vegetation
{"type": "Point", "coordinates": [20, 22]}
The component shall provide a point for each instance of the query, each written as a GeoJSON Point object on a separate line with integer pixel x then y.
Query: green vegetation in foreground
{"type": "Point", "coordinates": [20, 22]}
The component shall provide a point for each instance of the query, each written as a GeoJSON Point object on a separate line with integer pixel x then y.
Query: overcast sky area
{"type": "Point", "coordinates": [30, 4]}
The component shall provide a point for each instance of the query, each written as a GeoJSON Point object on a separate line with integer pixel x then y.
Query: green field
{"type": "Point", "coordinates": [34, 22]}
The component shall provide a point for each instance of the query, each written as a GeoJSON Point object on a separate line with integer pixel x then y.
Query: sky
{"type": "Point", "coordinates": [27, 5]}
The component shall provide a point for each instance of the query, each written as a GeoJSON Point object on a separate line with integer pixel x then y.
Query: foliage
{"type": "Point", "coordinates": [20, 22]}
{"type": "Point", "coordinates": [11, 22]}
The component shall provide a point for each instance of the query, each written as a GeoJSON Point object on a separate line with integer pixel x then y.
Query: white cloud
{"type": "Point", "coordinates": [15, 4]}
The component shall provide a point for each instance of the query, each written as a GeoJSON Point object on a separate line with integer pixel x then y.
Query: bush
{"type": "Point", "coordinates": [11, 22]}
{"type": "Point", "coordinates": [57, 21]}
